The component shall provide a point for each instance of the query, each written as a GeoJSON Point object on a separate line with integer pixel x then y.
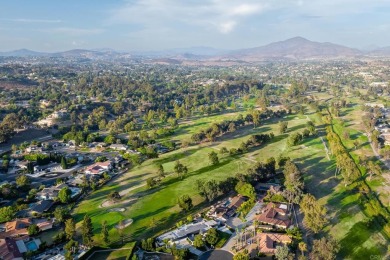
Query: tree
{"type": "Point", "coordinates": [346, 135]}
{"type": "Point", "coordinates": [283, 127]}
{"type": "Point", "coordinates": [198, 241]}
{"type": "Point", "coordinates": [324, 249]}
{"type": "Point", "coordinates": [211, 188]}
{"type": "Point", "coordinates": [256, 118]}
{"type": "Point", "coordinates": [70, 228]}
{"type": "Point", "coordinates": [72, 246]}
{"type": "Point", "coordinates": [185, 202]}
{"type": "Point", "coordinates": [373, 169]}
{"type": "Point", "coordinates": [302, 247]}
{"type": "Point", "coordinates": [147, 244]}
{"type": "Point", "coordinates": [294, 139]}
{"type": "Point", "coordinates": [246, 189]}
{"type": "Point", "coordinates": [281, 252]}
{"type": "Point", "coordinates": [64, 163]}
{"type": "Point", "coordinates": [153, 223]}
{"type": "Point", "coordinates": [33, 229]}
{"type": "Point", "coordinates": [211, 236]}
{"type": "Point", "coordinates": [243, 255]}
{"type": "Point", "coordinates": [180, 169]}
{"type": "Point", "coordinates": [68, 256]}
{"type": "Point", "coordinates": [356, 143]}
{"type": "Point", "coordinates": [293, 182]}
{"type": "Point", "coordinates": [114, 196]}
{"type": "Point", "coordinates": [104, 232]}
{"type": "Point", "coordinates": [64, 195]}
{"type": "Point", "coordinates": [213, 157]}
{"type": "Point", "coordinates": [22, 181]}
{"type": "Point", "coordinates": [161, 171]}
{"type": "Point", "coordinates": [311, 127]}
{"type": "Point", "coordinates": [60, 214]}
{"type": "Point", "coordinates": [232, 127]}
{"type": "Point", "coordinates": [152, 182]}
{"type": "Point", "coordinates": [314, 213]}
{"type": "Point", "coordinates": [223, 150]}
{"type": "Point", "coordinates": [7, 213]}
{"type": "Point", "coordinates": [87, 230]}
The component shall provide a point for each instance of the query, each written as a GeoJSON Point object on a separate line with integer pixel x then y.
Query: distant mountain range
{"type": "Point", "coordinates": [296, 48]}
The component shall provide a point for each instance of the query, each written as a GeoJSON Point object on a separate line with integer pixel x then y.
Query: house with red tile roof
{"type": "Point", "coordinates": [98, 168]}
{"type": "Point", "coordinates": [275, 214]}
{"type": "Point", "coordinates": [19, 227]}
{"type": "Point", "coordinates": [9, 249]}
{"type": "Point", "coordinates": [267, 242]}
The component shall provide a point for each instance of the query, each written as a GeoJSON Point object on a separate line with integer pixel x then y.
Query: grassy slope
{"type": "Point", "coordinates": [348, 223]}
{"type": "Point", "coordinates": [358, 238]}
{"type": "Point", "coordinates": [160, 203]}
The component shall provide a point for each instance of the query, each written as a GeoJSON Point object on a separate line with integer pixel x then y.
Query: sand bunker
{"type": "Point", "coordinates": [117, 210]}
{"type": "Point", "coordinates": [124, 223]}
{"type": "Point", "coordinates": [109, 203]}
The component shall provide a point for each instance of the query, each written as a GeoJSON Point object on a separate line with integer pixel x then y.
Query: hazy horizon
{"type": "Point", "coordinates": [155, 25]}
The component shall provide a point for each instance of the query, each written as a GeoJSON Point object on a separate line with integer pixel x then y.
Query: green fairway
{"type": "Point", "coordinates": [161, 203]}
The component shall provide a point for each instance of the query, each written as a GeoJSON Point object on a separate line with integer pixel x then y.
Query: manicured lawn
{"type": "Point", "coordinates": [348, 223]}
{"type": "Point", "coordinates": [358, 237]}
{"type": "Point", "coordinates": [161, 203]}
{"type": "Point", "coordinates": [223, 237]}
{"type": "Point", "coordinates": [117, 254]}
{"type": "Point", "coordinates": [48, 236]}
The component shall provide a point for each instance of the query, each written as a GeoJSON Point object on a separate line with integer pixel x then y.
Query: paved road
{"type": "Point", "coordinates": [217, 255]}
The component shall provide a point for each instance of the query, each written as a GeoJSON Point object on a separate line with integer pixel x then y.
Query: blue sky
{"type": "Point", "coordinates": [55, 25]}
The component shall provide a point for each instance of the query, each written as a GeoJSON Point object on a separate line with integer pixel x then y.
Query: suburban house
{"type": "Point", "coordinates": [18, 227]}
{"type": "Point", "coordinates": [98, 168]}
{"type": "Point", "coordinates": [267, 242]}
{"type": "Point", "coordinates": [268, 187]}
{"type": "Point", "coordinates": [40, 206]}
{"type": "Point", "coordinates": [9, 249]}
{"type": "Point", "coordinates": [21, 164]}
{"type": "Point", "coordinates": [33, 148]}
{"type": "Point", "coordinates": [118, 147]}
{"type": "Point", "coordinates": [227, 208]}
{"type": "Point", "coordinates": [50, 193]}
{"type": "Point", "coordinates": [275, 214]}
{"type": "Point", "coordinates": [186, 231]}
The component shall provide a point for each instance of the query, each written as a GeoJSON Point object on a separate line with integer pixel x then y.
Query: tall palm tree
{"type": "Point", "coordinates": [303, 247]}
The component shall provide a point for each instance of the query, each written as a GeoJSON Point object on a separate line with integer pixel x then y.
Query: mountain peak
{"type": "Point", "coordinates": [295, 48]}
{"type": "Point", "coordinates": [298, 39]}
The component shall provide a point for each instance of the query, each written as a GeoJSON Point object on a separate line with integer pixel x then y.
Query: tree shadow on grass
{"type": "Point", "coordinates": [358, 234]}
{"type": "Point", "coordinates": [176, 156]}
{"type": "Point", "coordinates": [130, 178]}
{"type": "Point", "coordinates": [318, 175]}
{"type": "Point", "coordinates": [243, 131]}
{"type": "Point", "coordinates": [174, 179]}
{"type": "Point", "coordinates": [294, 128]}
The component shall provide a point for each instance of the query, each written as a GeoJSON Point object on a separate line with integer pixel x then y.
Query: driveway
{"type": "Point", "coordinates": [252, 213]}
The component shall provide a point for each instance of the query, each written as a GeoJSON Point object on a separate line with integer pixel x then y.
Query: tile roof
{"type": "Point", "coordinates": [275, 214]}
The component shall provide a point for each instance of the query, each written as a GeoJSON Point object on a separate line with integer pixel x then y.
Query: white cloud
{"type": "Point", "coordinates": [227, 27]}
{"type": "Point", "coordinates": [221, 15]}
{"type": "Point", "coordinates": [247, 9]}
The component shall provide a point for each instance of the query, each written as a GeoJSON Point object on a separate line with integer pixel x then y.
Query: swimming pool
{"type": "Point", "coordinates": [31, 246]}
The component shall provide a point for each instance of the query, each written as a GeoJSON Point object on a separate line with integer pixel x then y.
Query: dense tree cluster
{"type": "Point", "coordinates": [344, 162]}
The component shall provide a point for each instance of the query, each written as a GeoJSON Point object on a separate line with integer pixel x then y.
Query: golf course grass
{"type": "Point", "coordinates": [156, 210]}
